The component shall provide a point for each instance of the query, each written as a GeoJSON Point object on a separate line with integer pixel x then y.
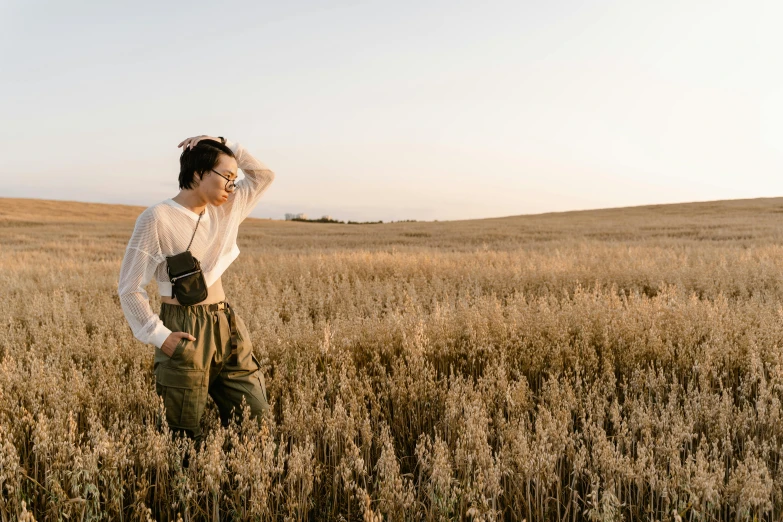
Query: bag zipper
{"type": "Point", "coordinates": [173, 279]}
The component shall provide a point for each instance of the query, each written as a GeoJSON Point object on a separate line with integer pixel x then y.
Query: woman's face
{"type": "Point", "coordinates": [213, 186]}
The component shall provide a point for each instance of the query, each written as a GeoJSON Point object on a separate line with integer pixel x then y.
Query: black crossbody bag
{"type": "Point", "coordinates": [187, 280]}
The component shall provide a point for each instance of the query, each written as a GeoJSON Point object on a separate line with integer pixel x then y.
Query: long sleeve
{"type": "Point", "coordinates": [142, 256]}
{"type": "Point", "coordinates": [257, 179]}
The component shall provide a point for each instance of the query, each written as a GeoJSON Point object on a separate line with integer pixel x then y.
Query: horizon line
{"type": "Point", "coordinates": [572, 211]}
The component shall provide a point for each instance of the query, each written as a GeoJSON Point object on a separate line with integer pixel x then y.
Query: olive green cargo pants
{"type": "Point", "coordinates": [207, 366]}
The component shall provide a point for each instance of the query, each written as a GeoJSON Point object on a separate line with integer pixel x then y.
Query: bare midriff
{"type": "Point", "coordinates": [215, 294]}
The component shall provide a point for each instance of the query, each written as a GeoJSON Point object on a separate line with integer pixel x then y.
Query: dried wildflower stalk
{"type": "Point", "coordinates": [545, 377]}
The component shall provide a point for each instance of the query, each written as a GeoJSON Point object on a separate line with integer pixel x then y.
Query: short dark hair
{"type": "Point", "coordinates": [199, 160]}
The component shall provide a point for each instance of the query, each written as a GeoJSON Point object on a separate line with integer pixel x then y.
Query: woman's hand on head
{"type": "Point", "coordinates": [189, 143]}
{"type": "Point", "coordinates": [171, 342]}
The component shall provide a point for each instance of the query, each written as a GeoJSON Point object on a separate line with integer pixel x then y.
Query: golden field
{"type": "Point", "coordinates": [622, 364]}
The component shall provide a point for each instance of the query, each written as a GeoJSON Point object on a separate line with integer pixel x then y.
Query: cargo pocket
{"type": "Point", "coordinates": [251, 382]}
{"type": "Point", "coordinates": [259, 375]}
{"type": "Point", "coordinates": [184, 395]}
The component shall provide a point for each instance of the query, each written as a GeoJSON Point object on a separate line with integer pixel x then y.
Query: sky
{"type": "Point", "coordinates": [426, 110]}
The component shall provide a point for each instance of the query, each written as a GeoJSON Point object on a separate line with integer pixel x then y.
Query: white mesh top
{"type": "Point", "coordinates": [165, 228]}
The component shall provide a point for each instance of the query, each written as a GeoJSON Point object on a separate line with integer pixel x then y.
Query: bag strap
{"type": "Point", "coordinates": [194, 231]}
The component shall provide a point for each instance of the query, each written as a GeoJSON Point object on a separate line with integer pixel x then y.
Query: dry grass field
{"type": "Point", "coordinates": [621, 364]}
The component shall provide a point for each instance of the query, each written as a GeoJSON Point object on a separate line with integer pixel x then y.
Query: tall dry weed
{"type": "Point", "coordinates": [552, 368]}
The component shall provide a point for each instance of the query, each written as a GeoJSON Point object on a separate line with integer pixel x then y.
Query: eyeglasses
{"type": "Point", "coordinates": [230, 183]}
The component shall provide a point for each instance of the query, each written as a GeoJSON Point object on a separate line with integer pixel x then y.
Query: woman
{"type": "Point", "coordinates": [203, 348]}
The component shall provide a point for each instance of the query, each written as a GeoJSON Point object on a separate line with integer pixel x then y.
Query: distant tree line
{"type": "Point", "coordinates": [329, 219]}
